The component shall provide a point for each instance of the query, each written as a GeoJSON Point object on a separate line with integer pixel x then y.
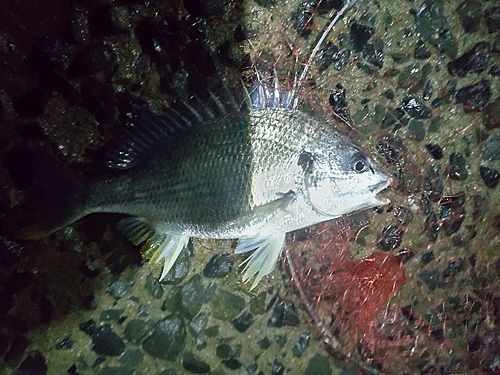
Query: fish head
{"type": "Point", "coordinates": [341, 178]}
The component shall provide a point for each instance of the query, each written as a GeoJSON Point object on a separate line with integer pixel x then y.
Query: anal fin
{"type": "Point", "coordinates": [164, 246]}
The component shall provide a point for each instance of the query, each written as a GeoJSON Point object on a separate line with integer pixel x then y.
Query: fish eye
{"type": "Point", "coordinates": [360, 166]}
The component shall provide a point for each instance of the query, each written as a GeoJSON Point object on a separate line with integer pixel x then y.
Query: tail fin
{"type": "Point", "coordinates": [55, 194]}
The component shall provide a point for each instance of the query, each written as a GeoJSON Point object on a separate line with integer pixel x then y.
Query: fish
{"type": "Point", "coordinates": [219, 166]}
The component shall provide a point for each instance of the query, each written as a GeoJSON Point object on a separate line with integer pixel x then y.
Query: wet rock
{"type": "Point", "coordinates": [391, 238]}
{"type": "Point", "coordinates": [395, 117]}
{"type": "Point", "coordinates": [88, 327]}
{"type": "Point", "coordinates": [427, 257]}
{"type": "Point", "coordinates": [198, 325]}
{"type": "Point", "coordinates": [474, 97]}
{"type": "Point", "coordinates": [429, 278]}
{"type": "Point", "coordinates": [278, 367]}
{"type": "Point", "coordinates": [65, 343]}
{"type": "Point", "coordinates": [470, 15]}
{"type": "Point", "coordinates": [391, 148]}
{"type": "Point", "coordinates": [137, 329]}
{"type": "Point", "coordinates": [232, 363]}
{"type": "Point", "coordinates": [435, 150]}
{"type": "Point", "coordinates": [219, 266]}
{"type": "Point", "coordinates": [264, 344]}
{"type": "Point", "coordinates": [179, 270]}
{"type": "Point", "coordinates": [433, 183]}
{"type": "Point", "coordinates": [492, 16]}
{"type": "Point", "coordinates": [243, 322]}
{"type": "Point", "coordinates": [284, 314]}
{"type": "Point", "coordinates": [403, 214]}
{"type": "Point", "coordinates": [432, 227]}
{"type": "Point", "coordinates": [168, 339]}
{"type": "Point", "coordinates": [431, 24]}
{"type": "Point", "coordinates": [456, 167]}
{"type": "Point", "coordinates": [192, 297]}
{"type": "Point", "coordinates": [360, 35]}
{"type": "Point", "coordinates": [302, 18]}
{"type": "Point", "coordinates": [132, 358]}
{"type": "Point", "coordinates": [318, 365]}
{"type": "Point", "coordinates": [415, 108]}
{"type": "Point", "coordinates": [421, 51]}
{"type": "Point", "coordinates": [280, 340]}
{"type": "Point", "coordinates": [33, 364]}
{"type": "Point", "coordinates": [225, 351]}
{"type": "Point", "coordinates": [454, 267]}
{"type": "Point", "coordinates": [327, 55]}
{"type": "Point", "coordinates": [491, 148]}
{"type": "Point", "coordinates": [342, 59]}
{"type": "Point", "coordinates": [339, 104]}
{"type": "Point", "coordinates": [226, 305]}
{"type": "Point", "coordinates": [302, 343]}
{"type": "Point", "coordinates": [490, 176]}
{"type": "Point", "coordinates": [111, 315]}
{"type": "Point", "coordinates": [106, 342]}
{"type": "Point", "coordinates": [195, 365]}
{"type": "Point", "coordinates": [427, 90]}
{"type": "Point", "coordinates": [491, 115]}
{"type": "Point", "coordinates": [153, 287]}
{"type": "Point", "coordinates": [416, 130]}
{"type": "Point", "coordinates": [473, 61]}
{"type": "Point", "coordinates": [119, 289]}
{"type": "Point", "coordinates": [451, 218]}
{"type": "Point", "coordinates": [374, 53]}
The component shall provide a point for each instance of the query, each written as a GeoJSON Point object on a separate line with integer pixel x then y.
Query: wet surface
{"type": "Point", "coordinates": [409, 288]}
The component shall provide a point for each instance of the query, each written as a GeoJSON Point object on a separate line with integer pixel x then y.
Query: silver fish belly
{"type": "Point", "coordinates": [252, 173]}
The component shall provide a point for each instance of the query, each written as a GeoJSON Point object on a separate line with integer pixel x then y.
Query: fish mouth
{"type": "Point", "coordinates": [378, 187]}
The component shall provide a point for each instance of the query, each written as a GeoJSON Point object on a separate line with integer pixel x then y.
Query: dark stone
{"type": "Point", "coordinates": [433, 183]}
{"type": "Point", "coordinates": [473, 61]}
{"type": "Point", "coordinates": [416, 130]}
{"type": "Point", "coordinates": [494, 70]}
{"type": "Point", "coordinates": [219, 266]}
{"type": "Point", "coordinates": [491, 148]}
{"type": "Point", "coordinates": [474, 97]}
{"type": "Point", "coordinates": [456, 167]}
{"type": "Point", "coordinates": [192, 296]}
{"type": "Point", "coordinates": [226, 305]}
{"type": "Point", "coordinates": [302, 343]}
{"type": "Point", "coordinates": [339, 104]}
{"type": "Point", "coordinates": [454, 267]}
{"type": "Point", "coordinates": [428, 90]}
{"type": "Point", "coordinates": [421, 51]}
{"type": "Point", "coordinates": [132, 358]}
{"type": "Point", "coordinates": [403, 214]}
{"type": "Point", "coordinates": [137, 329]}
{"type": "Point", "coordinates": [404, 255]}
{"type": "Point", "coordinates": [65, 343]}
{"type": "Point", "coordinates": [198, 325]}
{"type": "Point", "coordinates": [438, 335]}
{"type": "Point", "coordinates": [360, 35]}
{"type": "Point", "coordinates": [302, 18]}
{"type": "Point", "coordinates": [119, 289]}
{"type": "Point", "coordinates": [192, 363]}
{"type": "Point", "coordinates": [243, 322]}
{"type": "Point", "coordinates": [342, 59]}
{"type": "Point", "coordinates": [278, 368]}
{"type": "Point", "coordinates": [490, 176]}
{"type": "Point", "coordinates": [327, 55]}
{"type": "Point", "coordinates": [111, 315]}
{"type": "Point", "coordinates": [391, 148]}
{"type": "Point", "coordinates": [395, 117]}
{"type": "Point", "coordinates": [33, 364]}
{"type": "Point", "coordinates": [153, 287]}
{"type": "Point", "coordinates": [391, 238]}
{"type": "Point", "coordinates": [373, 53]}
{"type": "Point", "coordinates": [168, 339]}
{"type": "Point", "coordinates": [432, 227]}
{"type": "Point", "coordinates": [429, 278]}
{"type": "Point", "coordinates": [180, 268]}
{"type": "Point", "coordinates": [232, 363]}
{"type": "Point", "coordinates": [284, 314]}
{"type": "Point", "coordinates": [318, 365]}
{"type": "Point", "coordinates": [106, 342]}
{"type": "Point", "coordinates": [470, 15]}
{"type": "Point", "coordinates": [280, 340]}
{"type": "Point", "coordinates": [415, 108]}
{"type": "Point", "coordinates": [435, 150]}
{"type": "Point", "coordinates": [492, 16]}
{"type": "Point", "coordinates": [451, 218]}
{"type": "Point", "coordinates": [225, 351]}
{"type": "Point", "coordinates": [88, 327]}
{"type": "Point", "coordinates": [491, 115]}
{"type": "Point", "coordinates": [389, 94]}
{"type": "Point", "coordinates": [427, 257]}
{"type": "Point", "coordinates": [264, 344]}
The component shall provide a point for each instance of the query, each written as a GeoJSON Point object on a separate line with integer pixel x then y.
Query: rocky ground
{"type": "Point", "coordinates": [410, 288]}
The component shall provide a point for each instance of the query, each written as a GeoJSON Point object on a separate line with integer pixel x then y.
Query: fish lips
{"type": "Point", "coordinates": [377, 188]}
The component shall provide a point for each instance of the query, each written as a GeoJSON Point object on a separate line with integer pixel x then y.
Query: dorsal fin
{"type": "Point", "coordinates": [148, 130]}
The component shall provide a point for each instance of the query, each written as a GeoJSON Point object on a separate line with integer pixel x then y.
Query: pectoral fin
{"type": "Point", "coordinates": [165, 247]}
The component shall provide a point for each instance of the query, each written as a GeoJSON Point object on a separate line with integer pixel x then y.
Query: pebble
{"type": "Point", "coordinates": [88, 327]}
{"type": "Point", "coordinates": [435, 150]}
{"type": "Point", "coordinates": [472, 61]}
{"type": "Point", "coordinates": [433, 183]}
{"type": "Point", "coordinates": [302, 18]}
{"type": "Point", "coordinates": [391, 148]}
{"type": "Point", "coordinates": [391, 238]}
{"type": "Point", "coordinates": [491, 115]}
{"type": "Point", "coordinates": [415, 108]}
{"type": "Point", "coordinates": [429, 278]}
{"type": "Point", "coordinates": [192, 363]}
{"type": "Point", "coordinates": [454, 267]}
{"type": "Point", "coordinates": [192, 297]}
{"type": "Point", "coordinates": [132, 358]}
{"type": "Point", "coordinates": [106, 342]}
{"type": "Point", "coordinates": [243, 322]}
{"type": "Point", "coordinates": [168, 338]}
{"type": "Point", "coordinates": [491, 148]}
{"type": "Point", "coordinates": [469, 13]}
{"type": "Point", "coordinates": [451, 218]}
{"type": "Point", "coordinates": [427, 257]}
{"type": "Point", "coordinates": [225, 305]}
{"type": "Point", "coordinates": [373, 53]}
{"type": "Point", "coordinates": [264, 344]}
{"type": "Point", "coordinates": [179, 270]}
{"type": "Point", "coordinates": [111, 315]}
{"type": "Point", "coordinates": [284, 314]}
{"type": "Point", "coordinates": [339, 103]}
{"type": "Point", "coordinates": [421, 51]}
{"type": "Point", "coordinates": [278, 367]}
{"type": "Point", "coordinates": [65, 343]}
{"type": "Point", "coordinates": [302, 343]}
{"type": "Point", "coordinates": [137, 329]}
{"type": "Point", "coordinates": [318, 365]}
{"type": "Point", "coordinates": [404, 215]}
{"type": "Point", "coordinates": [490, 176]}
{"type": "Point", "coordinates": [119, 289]}
{"type": "Point", "coordinates": [457, 167]}
{"type": "Point", "coordinates": [360, 35]}
{"type": "Point", "coordinates": [115, 370]}
{"type": "Point", "coordinates": [232, 363]}
{"type": "Point", "coordinates": [219, 266]}
{"type": "Point", "coordinates": [198, 325]}
{"type": "Point", "coordinates": [474, 97]}
{"type": "Point", "coordinates": [492, 16]}
{"type": "Point", "coordinates": [153, 286]}
{"type": "Point", "coordinates": [225, 351]}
